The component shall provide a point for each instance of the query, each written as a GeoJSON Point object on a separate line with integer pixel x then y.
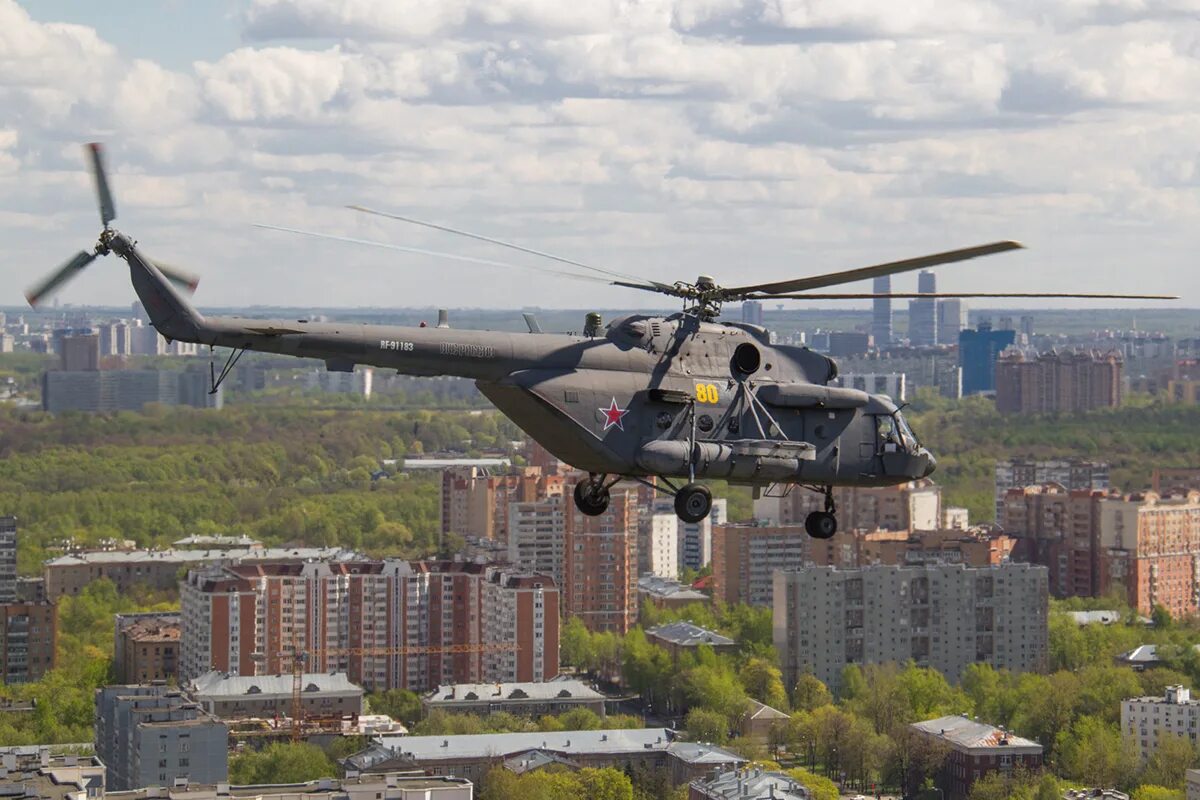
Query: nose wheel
{"type": "Point", "coordinates": [591, 497]}
{"type": "Point", "coordinates": [823, 524]}
{"type": "Point", "coordinates": [693, 502]}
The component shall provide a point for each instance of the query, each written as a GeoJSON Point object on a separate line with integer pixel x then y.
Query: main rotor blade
{"type": "Point", "coordinates": [108, 211]}
{"type": "Point", "coordinates": [38, 292]}
{"type": "Point", "coordinates": [490, 240]}
{"type": "Point", "coordinates": [434, 253]}
{"type": "Point", "coordinates": [876, 271]}
{"type": "Point", "coordinates": [945, 295]}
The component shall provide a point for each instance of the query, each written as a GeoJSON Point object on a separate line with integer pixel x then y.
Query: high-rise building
{"type": "Point", "coordinates": [978, 351]}
{"type": "Point", "coordinates": [1151, 545]}
{"type": "Point", "coordinates": [126, 390]}
{"type": "Point", "coordinates": [1146, 721]}
{"type": "Point", "coordinates": [752, 312]}
{"type": "Point", "coordinates": [600, 575]}
{"type": "Point", "coordinates": [693, 548]}
{"type": "Point", "coordinates": [28, 634]}
{"type": "Point", "coordinates": [80, 353]}
{"type": "Point", "coordinates": [116, 339]}
{"type": "Point", "coordinates": [537, 536]}
{"type": "Point", "coordinates": [951, 320]}
{"type": "Point", "coordinates": [922, 314]}
{"type": "Point", "coordinates": [893, 384]}
{"type": "Point", "coordinates": [353, 617]}
{"type": "Point", "coordinates": [1057, 382]}
{"type": "Point", "coordinates": [912, 506]}
{"type": "Point", "coordinates": [881, 312]}
{"type": "Point", "coordinates": [1027, 326]}
{"type": "Point", "coordinates": [8, 559]}
{"type": "Point", "coordinates": [944, 616]}
{"type": "Point", "coordinates": [744, 556]}
{"type": "Point", "coordinates": [153, 735]}
{"type": "Point", "coordinates": [1072, 474]}
{"type": "Point", "coordinates": [662, 546]}
{"type": "Point", "coordinates": [476, 503]}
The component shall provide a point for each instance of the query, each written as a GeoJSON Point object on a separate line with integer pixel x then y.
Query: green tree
{"type": "Point", "coordinates": [398, 704]}
{"type": "Point", "coordinates": [763, 681]}
{"type": "Point", "coordinates": [281, 763]}
{"type": "Point", "coordinates": [1171, 758]}
{"type": "Point", "coordinates": [1151, 792]}
{"type": "Point", "coordinates": [705, 725]}
{"type": "Point", "coordinates": [1093, 751]}
{"type": "Point", "coordinates": [810, 693]}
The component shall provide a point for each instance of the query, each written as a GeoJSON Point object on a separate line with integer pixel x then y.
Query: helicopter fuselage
{"type": "Point", "coordinates": [675, 396]}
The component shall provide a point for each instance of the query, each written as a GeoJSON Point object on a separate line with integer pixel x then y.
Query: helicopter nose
{"type": "Point", "coordinates": [930, 464]}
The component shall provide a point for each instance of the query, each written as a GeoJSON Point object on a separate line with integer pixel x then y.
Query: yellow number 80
{"type": "Point", "coordinates": [707, 393]}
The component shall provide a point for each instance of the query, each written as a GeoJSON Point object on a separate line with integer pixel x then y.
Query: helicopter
{"type": "Point", "coordinates": [666, 401]}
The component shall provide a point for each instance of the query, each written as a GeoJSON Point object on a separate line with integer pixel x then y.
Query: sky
{"type": "Point", "coordinates": [744, 139]}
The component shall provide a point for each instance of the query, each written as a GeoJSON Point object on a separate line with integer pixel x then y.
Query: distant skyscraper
{"type": "Point", "coordinates": [8, 559]}
{"type": "Point", "coordinates": [881, 317]}
{"type": "Point", "coordinates": [978, 351]}
{"type": "Point", "coordinates": [752, 312]}
{"type": "Point", "coordinates": [1027, 324]}
{"type": "Point", "coordinates": [951, 320]}
{"type": "Point", "coordinates": [922, 314]}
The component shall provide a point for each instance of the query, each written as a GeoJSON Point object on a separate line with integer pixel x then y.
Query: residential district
{"type": "Point", "coordinates": [271, 644]}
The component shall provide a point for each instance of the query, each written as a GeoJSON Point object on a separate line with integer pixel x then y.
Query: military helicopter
{"type": "Point", "coordinates": [662, 400]}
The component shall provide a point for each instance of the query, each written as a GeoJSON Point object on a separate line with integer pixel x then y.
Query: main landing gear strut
{"type": "Point", "coordinates": [823, 524]}
{"type": "Point", "coordinates": [693, 502]}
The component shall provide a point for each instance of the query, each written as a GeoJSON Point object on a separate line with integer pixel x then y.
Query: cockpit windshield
{"type": "Point", "coordinates": [906, 434]}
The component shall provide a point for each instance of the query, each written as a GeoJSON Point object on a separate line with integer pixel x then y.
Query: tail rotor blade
{"type": "Point", "coordinates": [39, 292]}
{"type": "Point", "coordinates": [108, 211]}
{"type": "Point", "coordinates": [185, 280]}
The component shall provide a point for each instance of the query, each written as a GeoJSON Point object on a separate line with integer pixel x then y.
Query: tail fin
{"type": "Point", "coordinates": [170, 312]}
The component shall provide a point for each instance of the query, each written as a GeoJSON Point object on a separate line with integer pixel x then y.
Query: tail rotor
{"type": "Point", "coordinates": [37, 293]}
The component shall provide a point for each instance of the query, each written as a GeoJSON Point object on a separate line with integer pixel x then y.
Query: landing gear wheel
{"type": "Point", "coordinates": [591, 498]}
{"type": "Point", "coordinates": [693, 502]}
{"type": "Point", "coordinates": [821, 525]}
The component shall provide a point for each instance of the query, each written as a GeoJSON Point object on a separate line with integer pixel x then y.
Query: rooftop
{"type": "Point", "coordinates": [667, 589]}
{"type": "Point", "coordinates": [499, 692]}
{"type": "Point", "coordinates": [34, 773]}
{"type": "Point", "coordinates": [216, 685]}
{"type": "Point", "coordinates": [154, 629]}
{"type": "Point", "coordinates": [964, 732]}
{"type": "Point", "coordinates": [685, 634]}
{"type": "Point", "coordinates": [1094, 617]}
{"type": "Point", "coordinates": [217, 541]}
{"type": "Point", "coordinates": [751, 784]}
{"type": "Point", "coordinates": [322, 787]}
{"type": "Point", "coordinates": [193, 556]}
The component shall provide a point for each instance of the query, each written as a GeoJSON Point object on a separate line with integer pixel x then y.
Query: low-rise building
{"type": "Point", "coordinates": [389, 786]}
{"type": "Point", "coordinates": [1146, 720]}
{"type": "Point", "coordinates": [684, 637]}
{"type": "Point", "coordinates": [523, 699]}
{"type": "Point", "coordinates": [1193, 784]}
{"type": "Point", "coordinates": [146, 646]}
{"type": "Point", "coordinates": [975, 750]}
{"type": "Point", "coordinates": [35, 773]}
{"type": "Point", "coordinates": [322, 695]}
{"type": "Point", "coordinates": [668, 593]}
{"type": "Point", "coordinates": [754, 783]}
{"type": "Point", "coordinates": [471, 756]}
{"type": "Point", "coordinates": [761, 722]}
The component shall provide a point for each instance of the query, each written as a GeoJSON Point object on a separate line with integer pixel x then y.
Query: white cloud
{"type": "Point", "coordinates": [754, 138]}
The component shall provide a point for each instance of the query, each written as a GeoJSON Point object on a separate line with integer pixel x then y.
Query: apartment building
{"type": "Point", "coordinates": [386, 624]}
{"type": "Point", "coordinates": [1151, 544]}
{"type": "Point", "coordinates": [912, 506]}
{"type": "Point", "coordinates": [1057, 382]}
{"type": "Point", "coordinates": [476, 503]}
{"type": "Point", "coordinates": [1060, 529]}
{"type": "Point", "coordinates": [744, 556]}
{"type": "Point", "coordinates": [28, 634]}
{"type": "Point", "coordinates": [1146, 720]}
{"type": "Point", "coordinates": [154, 736]}
{"type": "Point", "coordinates": [600, 572]}
{"type": "Point", "coordinates": [8, 559]}
{"type": "Point", "coordinates": [146, 646]}
{"type": "Point", "coordinates": [976, 750]}
{"type": "Point", "coordinates": [944, 616]}
{"type": "Point", "coordinates": [1072, 474]}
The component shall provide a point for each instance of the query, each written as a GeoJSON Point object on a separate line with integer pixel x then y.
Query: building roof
{"type": "Point", "coordinates": [561, 743]}
{"type": "Point", "coordinates": [217, 540]}
{"type": "Point", "coordinates": [448, 463]}
{"type": "Point", "coordinates": [500, 692]}
{"type": "Point", "coordinates": [195, 556]}
{"type": "Point", "coordinates": [1093, 617]}
{"type": "Point", "coordinates": [685, 634]}
{"type": "Point", "coordinates": [967, 734]}
{"type": "Point", "coordinates": [667, 589]}
{"type": "Point", "coordinates": [751, 784]}
{"type": "Point", "coordinates": [33, 773]}
{"type": "Point", "coordinates": [533, 760]}
{"type": "Point", "coordinates": [214, 685]}
{"type": "Point", "coordinates": [763, 711]}
{"type": "Point", "coordinates": [332, 788]}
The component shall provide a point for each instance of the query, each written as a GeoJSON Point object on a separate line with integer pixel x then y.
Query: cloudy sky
{"type": "Point", "coordinates": [747, 139]}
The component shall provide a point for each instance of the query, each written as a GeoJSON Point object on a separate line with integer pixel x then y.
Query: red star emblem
{"type": "Point", "coordinates": [613, 415]}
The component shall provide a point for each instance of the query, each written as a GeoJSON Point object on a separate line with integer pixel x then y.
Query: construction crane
{"type": "Point", "coordinates": [301, 657]}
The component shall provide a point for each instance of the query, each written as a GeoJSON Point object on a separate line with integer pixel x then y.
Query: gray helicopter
{"type": "Point", "coordinates": [663, 400]}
